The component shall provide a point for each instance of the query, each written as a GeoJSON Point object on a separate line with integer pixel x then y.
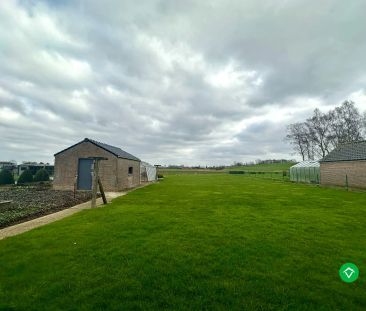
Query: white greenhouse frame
{"type": "Point", "coordinates": [306, 172]}
{"type": "Point", "coordinates": [148, 172]}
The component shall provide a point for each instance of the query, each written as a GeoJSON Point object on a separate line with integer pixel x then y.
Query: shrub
{"type": "Point", "coordinates": [160, 176]}
{"type": "Point", "coordinates": [6, 178]}
{"type": "Point", "coordinates": [42, 175]}
{"type": "Point", "coordinates": [25, 177]}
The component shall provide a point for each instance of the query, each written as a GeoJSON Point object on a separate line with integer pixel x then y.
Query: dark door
{"type": "Point", "coordinates": [85, 174]}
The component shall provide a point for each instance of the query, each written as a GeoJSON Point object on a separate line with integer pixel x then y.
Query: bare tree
{"type": "Point", "coordinates": [346, 124]}
{"type": "Point", "coordinates": [297, 136]}
{"type": "Point", "coordinates": [310, 146]}
{"type": "Point", "coordinates": [319, 128]}
{"type": "Point", "coordinates": [322, 132]}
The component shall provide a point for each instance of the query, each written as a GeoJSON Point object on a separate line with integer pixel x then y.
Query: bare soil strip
{"type": "Point", "coordinates": [31, 224]}
{"type": "Point", "coordinates": [34, 201]}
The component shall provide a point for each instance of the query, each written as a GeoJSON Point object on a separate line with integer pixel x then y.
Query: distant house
{"type": "Point", "coordinates": [34, 167]}
{"type": "Point", "coordinates": [345, 165]}
{"type": "Point", "coordinates": [73, 167]}
{"type": "Point", "coordinates": [8, 165]}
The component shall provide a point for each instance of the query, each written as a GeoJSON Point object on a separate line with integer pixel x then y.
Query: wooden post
{"type": "Point", "coordinates": [346, 182]}
{"type": "Point", "coordinates": [95, 183]}
{"type": "Point", "coordinates": [102, 191]}
{"type": "Point", "coordinates": [75, 185]}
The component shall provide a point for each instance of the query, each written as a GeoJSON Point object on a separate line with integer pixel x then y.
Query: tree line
{"type": "Point", "coordinates": [322, 132]}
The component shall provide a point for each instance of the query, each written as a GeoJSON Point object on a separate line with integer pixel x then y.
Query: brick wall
{"type": "Point", "coordinates": [113, 172]}
{"type": "Point", "coordinates": [334, 173]}
{"type": "Point", "coordinates": [126, 180]}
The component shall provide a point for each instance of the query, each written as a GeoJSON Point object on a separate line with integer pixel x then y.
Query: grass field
{"type": "Point", "coordinates": [275, 167]}
{"type": "Point", "coordinates": [272, 167]}
{"type": "Point", "coordinates": [188, 171]}
{"type": "Point", "coordinates": [212, 242]}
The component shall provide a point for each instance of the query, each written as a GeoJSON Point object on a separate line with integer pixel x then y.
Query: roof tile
{"type": "Point", "coordinates": [118, 152]}
{"type": "Point", "coordinates": [347, 152]}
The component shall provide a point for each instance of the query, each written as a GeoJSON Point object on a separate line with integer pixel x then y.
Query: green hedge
{"type": "Point", "coordinates": [6, 178]}
{"type": "Point", "coordinates": [42, 175]}
{"type": "Point", "coordinates": [25, 177]}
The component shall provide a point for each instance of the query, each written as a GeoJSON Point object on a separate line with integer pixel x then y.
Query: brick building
{"type": "Point", "coordinates": [345, 164]}
{"type": "Point", "coordinates": [11, 166]}
{"type": "Point", "coordinates": [73, 167]}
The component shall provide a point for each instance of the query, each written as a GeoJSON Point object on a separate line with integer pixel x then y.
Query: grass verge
{"type": "Point", "coordinates": [195, 242]}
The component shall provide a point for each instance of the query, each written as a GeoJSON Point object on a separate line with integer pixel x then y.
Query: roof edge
{"type": "Point", "coordinates": [85, 140]}
{"type": "Point", "coordinates": [353, 142]}
{"type": "Point", "coordinates": [138, 160]}
{"type": "Point", "coordinates": [72, 146]}
{"type": "Point", "coordinates": [339, 148]}
{"type": "Point", "coordinates": [329, 161]}
{"type": "Point", "coordinates": [99, 146]}
{"type": "Point", "coordinates": [95, 144]}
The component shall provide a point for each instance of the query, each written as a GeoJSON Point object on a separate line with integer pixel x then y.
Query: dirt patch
{"type": "Point", "coordinates": [35, 201]}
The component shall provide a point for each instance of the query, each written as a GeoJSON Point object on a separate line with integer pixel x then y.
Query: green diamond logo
{"type": "Point", "coordinates": [348, 272]}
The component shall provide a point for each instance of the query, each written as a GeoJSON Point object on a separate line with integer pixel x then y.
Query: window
{"type": "Point", "coordinates": [130, 170]}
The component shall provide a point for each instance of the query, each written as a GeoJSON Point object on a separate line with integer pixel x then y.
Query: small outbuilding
{"type": "Point", "coordinates": [345, 166]}
{"type": "Point", "coordinates": [306, 171]}
{"type": "Point", "coordinates": [73, 167]}
{"type": "Point", "coordinates": [148, 172]}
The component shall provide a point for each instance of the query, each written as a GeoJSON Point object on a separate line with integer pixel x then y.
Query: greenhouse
{"type": "Point", "coordinates": [307, 172]}
{"type": "Point", "coordinates": [148, 172]}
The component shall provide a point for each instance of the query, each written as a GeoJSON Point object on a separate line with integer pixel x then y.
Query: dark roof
{"type": "Point", "coordinates": [353, 151]}
{"type": "Point", "coordinates": [118, 152]}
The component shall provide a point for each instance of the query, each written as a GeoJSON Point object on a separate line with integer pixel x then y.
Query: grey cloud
{"type": "Point", "coordinates": [137, 74]}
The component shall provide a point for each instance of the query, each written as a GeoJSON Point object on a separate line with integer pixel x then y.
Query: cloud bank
{"type": "Point", "coordinates": [184, 82]}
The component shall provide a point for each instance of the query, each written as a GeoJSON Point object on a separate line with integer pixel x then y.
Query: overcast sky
{"type": "Point", "coordinates": [174, 82]}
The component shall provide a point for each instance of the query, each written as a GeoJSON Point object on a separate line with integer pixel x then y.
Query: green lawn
{"type": "Point", "coordinates": [193, 242]}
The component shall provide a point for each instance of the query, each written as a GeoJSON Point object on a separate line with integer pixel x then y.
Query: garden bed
{"type": "Point", "coordinates": [30, 202]}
